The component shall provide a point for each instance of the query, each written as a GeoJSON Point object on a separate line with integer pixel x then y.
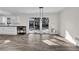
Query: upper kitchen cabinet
{"type": "Point", "coordinates": [3, 20]}
{"type": "Point", "coordinates": [8, 20]}
{"type": "Point", "coordinates": [12, 20]}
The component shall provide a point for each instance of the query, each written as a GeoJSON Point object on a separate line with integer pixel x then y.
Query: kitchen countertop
{"type": "Point", "coordinates": [8, 26]}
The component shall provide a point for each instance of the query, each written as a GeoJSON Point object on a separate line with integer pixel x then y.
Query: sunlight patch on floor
{"type": "Point", "coordinates": [7, 41]}
{"type": "Point", "coordinates": [50, 43]}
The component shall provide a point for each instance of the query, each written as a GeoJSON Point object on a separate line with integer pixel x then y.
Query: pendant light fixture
{"type": "Point", "coordinates": [41, 12]}
{"type": "Point", "coordinates": [41, 17]}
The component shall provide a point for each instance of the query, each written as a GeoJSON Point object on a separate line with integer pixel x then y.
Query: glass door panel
{"type": "Point", "coordinates": [34, 24]}
{"type": "Point", "coordinates": [37, 23]}
{"type": "Point", "coordinates": [45, 23]}
{"type": "Point", "coordinates": [31, 24]}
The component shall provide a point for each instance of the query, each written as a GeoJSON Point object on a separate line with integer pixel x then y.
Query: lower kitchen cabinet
{"type": "Point", "coordinates": [8, 30]}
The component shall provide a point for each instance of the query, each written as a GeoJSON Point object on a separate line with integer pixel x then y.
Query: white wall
{"type": "Point", "coordinates": [69, 23]}
{"type": "Point", "coordinates": [53, 21]}
{"type": "Point", "coordinates": [23, 20]}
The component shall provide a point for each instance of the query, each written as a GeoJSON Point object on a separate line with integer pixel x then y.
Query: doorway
{"type": "Point", "coordinates": [36, 25]}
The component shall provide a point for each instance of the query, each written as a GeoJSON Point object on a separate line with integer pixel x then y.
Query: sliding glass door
{"type": "Point", "coordinates": [34, 25]}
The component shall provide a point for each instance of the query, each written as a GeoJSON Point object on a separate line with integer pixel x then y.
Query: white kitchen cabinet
{"type": "Point", "coordinates": [8, 20]}
{"type": "Point", "coordinates": [8, 30]}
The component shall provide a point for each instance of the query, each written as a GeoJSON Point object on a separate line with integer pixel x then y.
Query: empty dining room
{"type": "Point", "coordinates": [39, 29]}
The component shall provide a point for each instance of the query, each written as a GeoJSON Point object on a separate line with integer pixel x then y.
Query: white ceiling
{"type": "Point", "coordinates": [27, 10]}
